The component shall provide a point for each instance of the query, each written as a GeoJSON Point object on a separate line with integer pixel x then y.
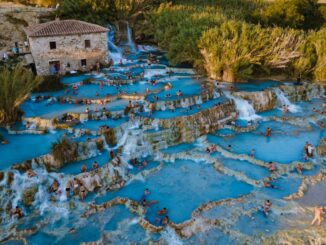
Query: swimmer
{"type": "Point", "coordinates": [319, 213]}
{"type": "Point", "coordinates": [30, 173]}
{"type": "Point", "coordinates": [268, 132]}
{"type": "Point", "coordinates": [162, 211]}
{"type": "Point", "coordinates": [272, 167]}
{"type": "Point", "coordinates": [83, 168]}
{"type": "Point", "coordinates": [17, 212]}
{"type": "Point", "coordinates": [298, 168]}
{"type": "Point", "coordinates": [145, 194]}
{"type": "Point", "coordinates": [55, 186]}
{"type": "Point", "coordinates": [165, 221]}
{"type": "Point", "coordinates": [82, 191]}
{"type": "Point", "coordinates": [179, 93]}
{"type": "Point", "coordinates": [94, 165]}
{"type": "Point", "coordinates": [252, 153]}
{"type": "Point", "coordinates": [267, 206]}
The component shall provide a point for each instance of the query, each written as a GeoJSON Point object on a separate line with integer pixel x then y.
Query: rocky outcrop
{"type": "Point", "coordinates": [321, 149]}
{"type": "Point", "coordinates": [189, 128]}
{"type": "Point", "coordinates": [297, 236]}
{"type": "Point", "coordinates": [303, 92]}
{"type": "Point", "coordinates": [28, 195]}
{"type": "Point", "coordinates": [260, 100]}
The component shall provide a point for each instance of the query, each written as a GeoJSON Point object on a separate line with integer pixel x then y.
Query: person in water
{"type": "Point", "coordinates": [83, 168]}
{"type": "Point", "coordinates": [319, 213]}
{"type": "Point", "coordinates": [298, 168]}
{"type": "Point", "coordinates": [272, 167]}
{"type": "Point", "coordinates": [55, 186]}
{"type": "Point", "coordinates": [145, 195]}
{"type": "Point", "coordinates": [95, 165]}
{"type": "Point", "coordinates": [162, 211]}
{"type": "Point", "coordinates": [165, 221]}
{"type": "Point", "coordinates": [17, 212]}
{"type": "Point", "coordinates": [30, 173]}
{"type": "Point", "coordinates": [82, 191]}
{"type": "Point", "coordinates": [268, 132]}
{"type": "Point", "coordinates": [267, 207]}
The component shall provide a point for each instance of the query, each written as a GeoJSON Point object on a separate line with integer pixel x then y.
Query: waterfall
{"type": "Point", "coordinates": [283, 100]}
{"type": "Point", "coordinates": [245, 109]}
{"type": "Point", "coordinates": [115, 53]}
{"type": "Point", "coordinates": [130, 42]}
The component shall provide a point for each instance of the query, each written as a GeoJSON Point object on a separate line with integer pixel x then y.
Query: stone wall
{"type": "Point", "coordinates": [69, 49]}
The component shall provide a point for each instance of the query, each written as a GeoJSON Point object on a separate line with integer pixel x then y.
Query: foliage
{"type": "Point", "coordinates": [103, 11]}
{"type": "Point", "coordinates": [109, 135]}
{"type": "Point", "coordinates": [234, 49]}
{"type": "Point", "coordinates": [223, 39]}
{"type": "Point", "coordinates": [303, 14]}
{"type": "Point", "coordinates": [42, 3]}
{"type": "Point", "coordinates": [96, 11]}
{"type": "Point", "coordinates": [49, 83]}
{"type": "Point", "coordinates": [15, 86]}
{"type": "Point", "coordinates": [64, 150]}
{"type": "Point", "coordinates": [318, 41]}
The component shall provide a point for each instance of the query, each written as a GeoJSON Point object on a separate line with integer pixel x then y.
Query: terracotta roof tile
{"type": "Point", "coordinates": [63, 28]}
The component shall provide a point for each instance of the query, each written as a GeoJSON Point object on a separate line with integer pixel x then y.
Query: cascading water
{"type": "Point", "coordinates": [245, 109]}
{"type": "Point", "coordinates": [283, 100]}
{"type": "Point", "coordinates": [115, 53]}
{"type": "Point", "coordinates": [130, 43]}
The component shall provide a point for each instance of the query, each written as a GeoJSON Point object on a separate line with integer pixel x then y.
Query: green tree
{"type": "Point", "coordinates": [15, 86]}
{"type": "Point", "coordinates": [94, 11]}
{"type": "Point", "coordinates": [302, 14]}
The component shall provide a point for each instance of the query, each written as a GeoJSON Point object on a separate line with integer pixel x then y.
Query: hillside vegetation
{"type": "Point", "coordinates": [231, 40]}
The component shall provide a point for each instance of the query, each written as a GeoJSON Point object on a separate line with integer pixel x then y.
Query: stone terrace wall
{"type": "Point", "coordinates": [69, 49]}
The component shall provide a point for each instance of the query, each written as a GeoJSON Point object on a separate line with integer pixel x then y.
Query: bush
{"type": "Point", "coordinates": [64, 150]}
{"type": "Point", "coordinates": [49, 83]}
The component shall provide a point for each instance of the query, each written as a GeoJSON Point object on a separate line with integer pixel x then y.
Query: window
{"type": "Point", "coordinates": [87, 43]}
{"type": "Point", "coordinates": [83, 62]}
{"type": "Point", "coordinates": [53, 45]}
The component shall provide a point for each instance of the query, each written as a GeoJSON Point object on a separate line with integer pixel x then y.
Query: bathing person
{"type": "Point", "coordinates": [268, 184]}
{"type": "Point", "coordinates": [272, 167]}
{"type": "Point", "coordinates": [165, 221]}
{"type": "Point", "coordinates": [112, 155]}
{"type": "Point", "coordinates": [179, 93]}
{"type": "Point", "coordinates": [76, 186]}
{"type": "Point", "coordinates": [298, 168]}
{"type": "Point", "coordinates": [17, 212]}
{"type": "Point", "coordinates": [69, 185]}
{"type": "Point", "coordinates": [318, 216]}
{"type": "Point", "coordinates": [3, 140]}
{"type": "Point", "coordinates": [145, 194]}
{"type": "Point", "coordinates": [83, 168]}
{"type": "Point", "coordinates": [267, 206]}
{"type": "Point", "coordinates": [148, 203]}
{"type": "Point", "coordinates": [252, 153]}
{"type": "Point", "coordinates": [229, 147]}
{"type": "Point", "coordinates": [82, 191]}
{"type": "Point", "coordinates": [30, 173]}
{"type": "Point", "coordinates": [162, 211]}
{"type": "Point", "coordinates": [95, 165]}
{"type": "Point", "coordinates": [310, 151]}
{"type": "Point", "coordinates": [55, 186]}
{"type": "Point", "coordinates": [285, 109]}
{"type": "Point", "coordinates": [268, 132]}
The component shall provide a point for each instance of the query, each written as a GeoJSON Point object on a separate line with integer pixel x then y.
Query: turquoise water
{"type": "Point", "coordinates": [275, 148]}
{"type": "Point", "coordinates": [180, 185]}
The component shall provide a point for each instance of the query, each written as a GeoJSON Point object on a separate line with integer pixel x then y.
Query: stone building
{"type": "Point", "coordinates": [61, 46]}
